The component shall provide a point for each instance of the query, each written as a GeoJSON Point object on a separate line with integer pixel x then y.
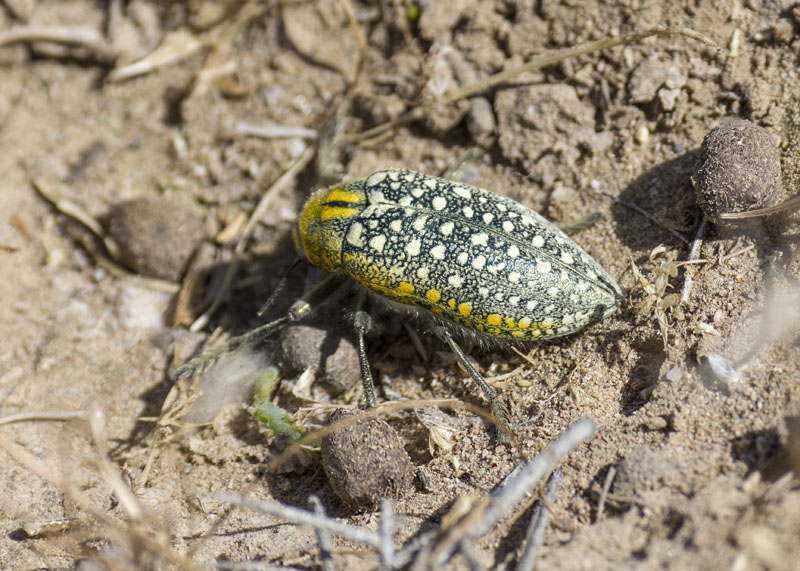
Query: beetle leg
{"type": "Point", "coordinates": [496, 405]}
{"type": "Point", "coordinates": [300, 309]}
{"type": "Point", "coordinates": [363, 323]}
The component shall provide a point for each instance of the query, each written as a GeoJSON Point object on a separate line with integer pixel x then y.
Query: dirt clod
{"type": "Point", "coordinates": [738, 169]}
{"type": "Point", "coordinates": [365, 462]}
{"type": "Point", "coordinates": [156, 236]}
{"type": "Point", "coordinates": [323, 348]}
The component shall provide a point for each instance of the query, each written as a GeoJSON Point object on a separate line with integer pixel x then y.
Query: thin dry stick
{"type": "Point", "coordinates": [786, 205]}
{"type": "Point", "coordinates": [612, 473]}
{"type": "Point", "coordinates": [349, 13]}
{"type": "Point", "coordinates": [694, 253]}
{"type": "Point", "coordinates": [539, 520]}
{"type": "Point", "coordinates": [49, 415]}
{"type": "Point", "coordinates": [386, 534]}
{"type": "Point", "coordinates": [126, 498]}
{"type": "Point", "coordinates": [421, 111]}
{"type": "Point", "coordinates": [77, 36]}
{"type": "Point", "coordinates": [323, 538]}
{"type": "Point", "coordinates": [301, 517]}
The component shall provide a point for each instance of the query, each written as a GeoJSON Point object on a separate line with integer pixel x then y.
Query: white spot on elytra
{"type": "Point", "coordinates": [531, 305]}
{"type": "Point", "coordinates": [512, 251]}
{"type": "Point", "coordinates": [438, 252]}
{"type": "Point", "coordinates": [455, 280]}
{"type": "Point", "coordinates": [447, 228]}
{"type": "Point", "coordinates": [549, 309]}
{"type": "Point", "coordinates": [513, 300]}
{"type": "Point", "coordinates": [494, 268]}
{"type": "Point", "coordinates": [377, 197]}
{"type": "Point", "coordinates": [413, 247]}
{"type": "Point", "coordinates": [468, 212]}
{"type": "Point", "coordinates": [553, 291]}
{"type": "Point", "coordinates": [461, 191]}
{"type": "Point", "coordinates": [567, 258]}
{"type": "Point", "coordinates": [483, 291]}
{"type": "Point", "coordinates": [501, 207]}
{"type": "Point", "coordinates": [396, 225]}
{"type": "Point", "coordinates": [354, 236]}
{"type": "Point", "coordinates": [419, 223]}
{"type": "Point", "coordinates": [508, 226]}
{"type": "Point", "coordinates": [479, 239]}
{"type": "Point", "coordinates": [377, 242]}
{"type": "Point", "coordinates": [416, 192]}
{"type": "Point", "coordinates": [487, 217]}
{"type": "Point", "coordinates": [376, 178]}
{"type": "Point", "coordinates": [537, 241]}
{"type": "Point", "coordinates": [479, 261]}
{"type": "Point", "coordinates": [439, 202]}
{"type": "Point", "coordinates": [462, 258]}
{"type": "Point", "coordinates": [422, 272]}
{"type": "Point", "coordinates": [544, 267]}
{"type": "Point", "coordinates": [513, 277]}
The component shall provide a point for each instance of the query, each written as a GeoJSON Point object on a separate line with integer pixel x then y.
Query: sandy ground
{"type": "Point", "coordinates": [702, 464]}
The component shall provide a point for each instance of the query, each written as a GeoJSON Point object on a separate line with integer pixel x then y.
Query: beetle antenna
{"type": "Point", "coordinates": [281, 285]}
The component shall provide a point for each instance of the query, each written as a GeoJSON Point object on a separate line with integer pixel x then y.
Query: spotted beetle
{"type": "Point", "coordinates": [470, 260]}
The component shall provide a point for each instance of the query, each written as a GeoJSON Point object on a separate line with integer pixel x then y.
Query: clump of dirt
{"type": "Point", "coordinates": [738, 169]}
{"type": "Point", "coordinates": [365, 461]}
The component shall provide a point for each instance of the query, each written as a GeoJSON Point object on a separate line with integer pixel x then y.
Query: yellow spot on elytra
{"type": "Point", "coordinates": [436, 310]}
{"type": "Point", "coordinates": [524, 323]}
{"type": "Point", "coordinates": [493, 319]}
{"type": "Point", "coordinates": [339, 195]}
{"type": "Point", "coordinates": [433, 296]}
{"type": "Point", "coordinates": [494, 331]}
{"type": "Point", "coordinates": [465, 309]}
{"type": "Point", "coordinates": [451, 303]}
{"type": "Point", "coordinates": [517, 334]}
{"type": "Point", "coordinates": [328, 212]}
{"type": "Point", "coordinates": [510, 323]}
{"type": "Point", "coordinates": [405, 288]}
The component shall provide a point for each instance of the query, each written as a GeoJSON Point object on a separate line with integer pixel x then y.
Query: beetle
{"type": "Point", "coordinates": [469, 261]}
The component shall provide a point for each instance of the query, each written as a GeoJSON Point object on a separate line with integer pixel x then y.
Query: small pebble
{"type": "Point", "coordinates": [738, 169]}
{"type": "Point", "coordinates": [783, 31]}
{"type": "Point", "coordinates": [365, 462]}
{"type": "Point", "coordinates": [156, 236]}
